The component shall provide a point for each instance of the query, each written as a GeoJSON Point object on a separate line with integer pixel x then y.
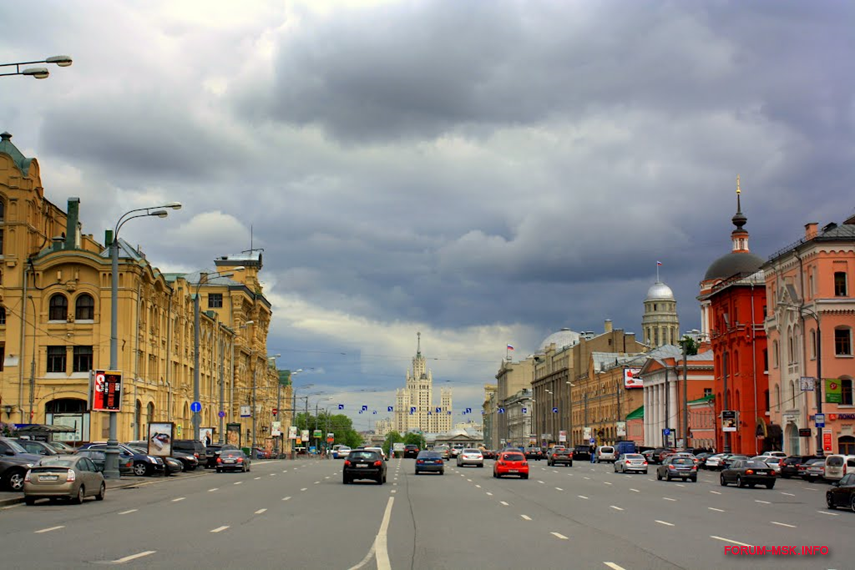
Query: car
{"type": "Point", "coordinates": [780, 454]}
{"type": "Point", "coordinates": [625, 447]}
{"type": "Point", "coordinates": [629, 462]}
{"type": "Point", "coordinates": [488, 453]}
{"type": "Point", "coordinates": [188, 460]}
{"type": "Point", "coordinates": [99, 458]}
{"type": "Point", "coordinates": [678, 468]}
{"type": "Point", "coordinates": [74, 477]}
{"type": "Point", "coordinates": [36, 447]}
{"type": "Point", "coordinates": [429, 462]}
{"type": "Point", "coordinates": [173, 463]}
{"type": "Point", "coordinates": [144, 464]}
{"type": "Point", "coordinates": [212, 452]}
{"type": "Point", "coordinates": [13, 469]}
{"type": "Point", "coordinates": [378, 450]}
{"type": "Point", "coordinates": [534, 453]}
{"type": "Point", "coordinates": [511, 463]}
{"type": "Point", "coordinates": [606, 453]}
{"type": "Point", "coordinates": [813, 469]}
{"type": "Point", "coordinates": [444, 451]}
{"type": "Point", "coordinates": [582, 452]}
{"type": "Point", "coordinates": [61, 447]}
{"type": "Point", "coordinates": [648, 455]}
{"type": "Point", "coordinates": [772, 461]}
{"type": "Point", "coordinates": [455, 451]}
{"type": "Point", "coordinates": [193, 447]}
{"type": "Point", "coordinates": [364, 464]}
{"type": "Point", "coordinates": [837, 466]}
{"type": "Point", "coordinates": [340, 451]}
{"type": "Point", "coordinates": [728, 460]}
{"type": "Point", "coordinates": [411, 450]}
{"type": "Point", "coordinates": [748, 472]}
{"type": "Point", "coordinates": [713, 462]}
{"type": "Point", "coordinates": [790, 465]}
{"type": "Point", "coordinates": [233, 460]}
{"type": "Point", "coordinates": [562, 456]}
{"type": "Point", "coordinates": [470, 456]}
{"type": "Point", "coordinates": [842, 493]}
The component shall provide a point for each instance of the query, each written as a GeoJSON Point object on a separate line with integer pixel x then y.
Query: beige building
{"type": "Point", "coordinates": [55, 325]}
{"type": "Point", "coordinates": [414, 406]}
{"type": "Point", "coordinates": [488, 416]}
{"type": "Point", "coordinates": [512, 378]}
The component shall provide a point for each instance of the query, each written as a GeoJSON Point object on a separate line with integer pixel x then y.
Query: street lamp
{"type": "Point", "coordinates": [196, 325]}
{"type": "Point", "coordinates": [37, 72]}
{"type": "Point", "coordinates": [111, 460]}
{"type": "Point", "coordinates": [818, 385]}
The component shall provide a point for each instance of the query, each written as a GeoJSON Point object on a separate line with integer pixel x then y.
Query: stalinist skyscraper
{"type": "Point", "coordinates": [414, 408]}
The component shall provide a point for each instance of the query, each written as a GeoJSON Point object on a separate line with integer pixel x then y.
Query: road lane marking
{"type": "Point", "coordinates": [504, 503]}
{"type": "Point", "coordinates": [526, 517]}
{"type": "Point", "coordinates": [582, 497]}
{"type": "Point", "coordinates": [715, 492]}
{"type": "Point", "coordinates": [273, 474]}
{"type": "Point", "coordinates": [558, 489]}
{"type": "Point", "coordinates": [257, 478]}
{"type": "Point", "coordinates": [788, 494]}
{"type": "Point", "coordinates": [394, 491]}
{"type": "Point", "coordinates": [587, 478]}
{"type": "Point", "coordinates": [554, 471]}
{"type": "Point", "coordinates": [614, 566]}
{"type": "Point", "coordinates": [220, 529]}
{"type": "Point", "coordinates": [477, 486]}
{"type": "Point", "coordinates": [212, 490]}
{"type": "Point", "coordinates": [669, 499]}
{"type": "Point", "coordinates": [304, 489]}
{"type": "Point", "coordinates": [762, 502]}
{"type": "Point", "coordinates": [317, 482]}
{"type": "Point", "coordinates": [178, 499]}
{"type": "Point", "coordinates": [394, 484]}
{"type": "Point", "coordinates": [783, 524]}
{"type": "Point", "coordinates": [829, 514]}
{"type": "Point", "coordinates": [260, 511]}
{"type": "Point", "coordinates": [635, 490]}
{"type": "Point", "coordinates": [728, 540]}
{"type": "Point", "coordinates": [286, 498]}
{"type": "Point", "coordinates": [559, 535]}
{"type": "Point", "coordinates": [716, 510]}
{"type": "Point", "coordinates": [680, 485]}
{"type": "Point", "coordinates": [664, 522]}
{"type": "Point", "coordinates": [128, 512]}
{"type": "Point", "coordinates": [616, 508]}
{"type": "Point", "coordinates": [489, 493]}
{"type": "Point", "coordinates": [327, 477]}
{"type": "Point", "coordinates": [284, 471]}
{"type": "Point", "coordinates": [133, 557]}
{"type": "Point", "coordinates": [607, 482]}
{"type": "Point", "coordinates": [238, 482]}
{"type": "Point", "coordinates": [380, 543]}
{"type": "Point", "coordinates": [541, 482]}
{"type": "Point", "coordinates": [44, 530]}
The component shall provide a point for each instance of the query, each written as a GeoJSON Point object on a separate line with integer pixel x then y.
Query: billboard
{"type": "Point", "coordinates": [160, 436]}
{"type": "Point", "coordinates": [105, 391]}
{"type": "Point", "coordinates": [728, 420]}
{"type": "Point", "coordinates": [631, 378]}
{"type": "Point", "coordinates": [206, 435]}
{"type": "Point", "coordinates": [833, 391]}
{"type": "Point", "coordinates": [233, 434]}
{"type": "Point", "coordinates": [292, 432]}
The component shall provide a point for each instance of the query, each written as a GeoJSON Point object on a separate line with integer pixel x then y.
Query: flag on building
{"type": "Point", "coordinates": [510, 347]}
{"type": "Point", "coordinates": [658, 263]}
{"type": "Point", "coordinates": [341, 406]}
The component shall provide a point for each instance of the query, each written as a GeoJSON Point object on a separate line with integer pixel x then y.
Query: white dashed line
{"type": "Point", "coordinates": [616, 508]}
{"type": "Point", "coordinates": [504, 503]}
{"type": "Point", "coordinates": [44, 530]}
{"type": "Point", "coordinates": [304, 489]}
{"type": "Point", "coordinates": [128, 512]}
{"type": "Point", "coordinates": [614, 566]}
{"type": "Point", "coordinates": [257, 478]}
{"type": "Point", "coordinates": [238, 482]}
{"type": "Point", "coordinates": [477, 486]}
{"type": "Point", "coordinates": [559, 535]}
{"type": "Point", "coordinates": [178, 499]}
{"type": "Point", "coordinates": [220, 529]}
{"type": "Point", "coordinates": [286, 498]}
{"type": "Point", "coordinates": [587, 478]}
{"type": "Point", "coordinates": [317, 482]}
{"type": "Point", "coordinates": [680, 485]}
{"type": "Point", "coordinates": [489, 493]}
{"type": "Point", "coordinates": [212, 490]}
{"type": "Point", "coordinates": [788, 494]}
{"type": "Point", "coordinates": [133, 557]}
{"type": "Point", "coordinates": [728, 540]}
{"type": "Point", "coordinates": [669, 499]}
{"type": "Point", "coordinates": [783, 524]}
{"type": "Point", "coordinates": [762, 502]}
{"type": "Point", "coordinates": [526, 517]}
{"type": "Point", "coordinates": [716, 510]}
{"type": "Point", "coordinates": [664, 522]}
{"type": "Point", "coordinates": [558, 489]}
{"type": "Point", "coordinates": [606, 482]}
{"type": "Point", "coordinates": [582, 497]}
{"type": "Point", "coordinates": [715, 492]}
{"type": "Point", "coordinates": [394, 491]}
{"type": "Point", "coordinates": [260, 511]}
{"type": "Point", "coordinates": [829, 514]}
{"type": "Point", "coordinates": [635, 490]}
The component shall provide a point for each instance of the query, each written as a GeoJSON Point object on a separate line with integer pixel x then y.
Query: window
{"type": "Point", "coordinates": [56, 358]}
{"type": "Point", "coordinates": [839, 283]}
{"type": "Point", "coordinates": [843, 342]}
{"type": "Point", "coordinates": [775, 358]}
{"type": "Point", "coordinates": [84, 308]}
{"type": "Point", "coordinates": [707, 392]}
{"type": "Point", "coordinates": [2, 210]}
{"type": "Point", "coordinates": [2, 315]}
{"type": "Point", "coordinates": [846, 392]}
{"type": "Point", "coordinates": [812, 344]}
{"type": "Point", "coordinates": [2, 356]}
{"type": "Point", "coordinates": [58, 310]}
{"type": "Point", "coordinates": [82, 359]}
{"type": "Point", "coordinates": [215, 300]}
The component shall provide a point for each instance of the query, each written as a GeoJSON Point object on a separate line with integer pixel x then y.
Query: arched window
{"type": "Point", "coordinates": [58, 310]}
{"type": "Point", "coordinates": [775, 360]}
{"type": "Point", "coordinates": [2, 210]}
{"type": "Point", "coordinates": [778, 397]}
{"type": "Point", "coordinates": [843, 341]}
{"type": "Point", "coordinates": [84, 308]}
{"type": "Point", "coordinates": [789, 346]}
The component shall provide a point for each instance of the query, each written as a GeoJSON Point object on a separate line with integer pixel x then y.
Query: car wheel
{"type": "Point", "coordinates": [30, 501]}
{"type": "Point", "coordinates": [770, 485]}
{"type": "Point", "coordinates": [739, 482]}
{"type": "Point", "coordinates": [442, 471]}
{"type": "Point", "coordinates": [81, 494]}
{"type": "Point", "coordinates": [481, 465]}
{"type": "Point", "coordinates": [751, 485]}
{"type": "Point", "coordinates": [694, 479]}
{"type": "Point", "coordinates": [380, 480]}
{"type": "Point", "coordinates": [829, 501]}
{"type": "Point", "coordinates": [417, 472]}
{"type": "Point", "coordinates": [525, 476]}
{"type": "Point", "coordinates": [668, 477]}
{"type": "Point", "coordinates": [852, 504]}
{"type": "Point", "coordinates": [345, 480]}
{"type": "Point", "coordinates": [219, 470]}
{"type": "Point", "coordinates": [140, 469]}
{"type": "Point", "coordinates": [722, 481]}
{"type": "Point", "coordinates": [658, 475]}
{"type": "Point", "coordinates": [101, 492]}
{"type": "Point", "coordinates": [14, 480]}
{"type": "Point", "coordinates": [645, 471]}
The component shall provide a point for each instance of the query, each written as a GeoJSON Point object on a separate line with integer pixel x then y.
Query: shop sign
{"type": "Point", "coordinates": [833, 391]}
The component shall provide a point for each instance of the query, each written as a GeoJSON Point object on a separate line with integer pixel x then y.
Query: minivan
{"type": "Point", "coordinates": [606, 453]}
{"type": "Point", "coordinates": [624, 447]}
{"type": "Point", "coordinates": [836, 466]}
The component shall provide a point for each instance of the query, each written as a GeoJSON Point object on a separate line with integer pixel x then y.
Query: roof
{"type": "Point", "coordinates": [636, 414]}
{"type": "Point", "coordinates": [733, 263]}
{"type": "Point", "coordinates": [125, 250]}
{"type": "Point", "coordinates": [562, 338]}
{"type": "Point", "coordinates": [829, 232]}
{"type": "Point", "coordinates": [659, 291]}
{"type": "Point", "coordinates": [703, 400]}
{"type": "Point", "coordinates": [6, 147]}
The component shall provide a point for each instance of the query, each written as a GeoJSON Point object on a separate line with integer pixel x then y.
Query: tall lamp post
{"type": "Point", "coordinates": [111, 461]}
{"type": "Point", "coordinates": [37, 72]}
{"type": "Point", "coordinates": [196, 325]}
{"type": "Point", "coordinates": [818, 386]}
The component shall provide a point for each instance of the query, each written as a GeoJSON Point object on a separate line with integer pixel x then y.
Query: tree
{"type": "Point", "coordinates": [391, 437]}
{"type": "Point", "coordinates": [415, 439]}
{"type": "Point", "coordinates": [689, 344]}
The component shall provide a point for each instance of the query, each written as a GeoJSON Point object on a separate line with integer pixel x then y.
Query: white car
{"type": "Point", "coordinates": [780, 454]}
{"type": "Point", "coordinates": [470, 457]}
{"type": "Point", "coordinates": [378, 450]}
{"type": "Point", "coordinates": [714, 461]}
{"type": "Point", "coordinates": [606, 453]}
{"type": "Point", "coordinates": [629, 462]}
{"type": "Point", "coordinates": [340, 451]}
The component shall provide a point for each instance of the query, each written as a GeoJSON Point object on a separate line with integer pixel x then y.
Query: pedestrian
{"type": "Point", "coordinates": [593, 454]}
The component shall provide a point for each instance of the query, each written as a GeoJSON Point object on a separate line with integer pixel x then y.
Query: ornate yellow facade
{"type": "Point", "coordinates": [55, 283]}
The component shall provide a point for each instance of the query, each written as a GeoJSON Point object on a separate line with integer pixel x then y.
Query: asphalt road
{"type": "Point", "coordinates": [287, 514]}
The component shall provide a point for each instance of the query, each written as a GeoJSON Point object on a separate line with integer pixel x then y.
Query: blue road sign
{"type": "Point", "coordinates": [468, 410]}
{"type": "Point", "coordinates": [389, 408]}
{"type": "Point", "coordinates": [593, 441]}
{"type": "Point", "coordinates": [438, 409]}
{"type": "Point", "coordinates": [222, 414]}
{"type": "Point", "coordinates": [819, 420]}
{"type": "Point", "coordinates": [501, 410]}
{"type": "Point", "coordinates": [412, 410]}
{"type": "Point", "coordinates": [525, 410]}
{"type": "Point", "coordinates": [195, 407]}
{"type": "Point", "coordinates": [341, 406]}
{"type": "Point", "coordinates": [666, 431]}
{"type": "Point", "coordinates": [554, 410]}
{"type": "Point", "coordinates": [374, 412]}
{"type": "Point", "coordinates": [364, 408]}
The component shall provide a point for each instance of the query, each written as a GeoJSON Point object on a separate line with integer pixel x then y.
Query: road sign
{"type": "Point", "coordinates": [221, 413]}
{"type": "Point", "coordinates": [819, 420]}
{"type": "Point", "coordinates": [341, 406]}
{"type": "Point", "coordinates": [593, 441]}
{"type": "Point", "coordinates": [554, 410]}
{"type": "Point", "coordinates": [666, 431]}
{"type": "Point", "coordinates": [275, 411]}
{"type": "Point", "coordinates": [525, 410]}
{"type": "Point", "coordinates": [196, 407]}
{"type": "Point", "coordinates": [245, 411]}
{"type": "Point", "coordinates": [389, 408]}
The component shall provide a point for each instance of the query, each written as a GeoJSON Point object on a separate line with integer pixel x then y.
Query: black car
{"type": "Point", "coordinates": [842, 493]}
{"type": "Point", "coordinates": [212, 452]}
{"type": "Point", "coordinates": [728, 460]}
{"type": "Point", "coordinates": [748, 472]}
{"type": "Point", "coordinates": [411, 451]}
{"type": "Point", "coordinates": [364, 464]}
{"type": "Point", "coordinates": [790, 465]}
{"type": "Point", "coordinates": [143, 464]}
{"type": "Point", "coordinates": [193, 447]}
{"type": "Point", "coordinates": [430, 462]}
{"type": "Point", "coordinates": [560, 456]}
{"type": "Point", "coordinates": [233, 460]}
{"type": "Point", "coordinates": [678, 467]}
{"type": "Point", "coordinates": [534, 453]}
{"type": "Point", "coordinates": [99, 458]}
{"type": "Point", "coordinates": [582, 452]}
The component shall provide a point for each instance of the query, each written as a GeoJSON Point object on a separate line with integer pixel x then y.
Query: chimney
{"type": "Point", "coordinates": [810, 230]}
{"type": "Point", "coordinates": [608, 325]}
{"type": "Point", "coordinates": [72, 221]}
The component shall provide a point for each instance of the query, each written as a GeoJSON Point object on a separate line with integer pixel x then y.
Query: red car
{"type": "Point", "coordinates": [511, 463]}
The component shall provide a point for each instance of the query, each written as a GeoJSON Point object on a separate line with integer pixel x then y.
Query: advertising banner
{"type": "Point", "coordinates": [826, 440]}
{"type": "Point", "coordinates": [292, 432]}
{"type": "Point", "coordinates": [160, 436]}
{"type": "Point", "coordinates": [206, 435]}
{"type": "Point", "coordinates": [586, 433]}
{"type": "Point", "coordinates": [833, 391]}
{"type": "Point", "coordinates": [621, 429]}
{"type": "Point", "coordinates": [562, 436]}
{"type": "Point", "coordinates": [806, 383]}
{"type": "Point", "coordinates": [105, 391]}
{"type": "Point", "coordinates": [233, 434]}
{"type": "Point", "coordinates": [631, 379]}
{"type": "Point", "coordinates": [728, 420]}
{"type": "Point", "coordinates": [318, 434]}
{"type": "Point", "coordinates": [275, 430]}
{"type": "Point", "coordinates": [304, 435]}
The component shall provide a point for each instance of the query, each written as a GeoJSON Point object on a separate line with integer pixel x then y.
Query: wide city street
{"type": "Point", "coordinates": [298, 514]}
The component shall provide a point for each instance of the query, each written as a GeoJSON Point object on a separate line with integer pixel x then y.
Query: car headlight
{"type": "Point", "coordinates": [152, 459]}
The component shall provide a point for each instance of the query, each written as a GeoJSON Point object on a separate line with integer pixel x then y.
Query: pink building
{"type": "Point", "coordinates": [810, 316]}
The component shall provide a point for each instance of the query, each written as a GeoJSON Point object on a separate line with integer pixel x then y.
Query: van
{"type": "Point", "coordinates": [624, 447]}
{"type": "Point", "coordinates": [836, 466]}
{"type": "Point", "coordinates": [606, 453]}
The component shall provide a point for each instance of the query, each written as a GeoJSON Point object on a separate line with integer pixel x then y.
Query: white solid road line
{"type": "Point", "coordinates": [526, 517]}
{"type": "Point", "coordinates": [829, 514]}
{"type": "Point", "coordinates": [178, 499]}
{"type": "Point", "coordinates": [716, 510]}
{"type": "Point", "coordinates": [49, 529]}
{"type": "Point", "coordinates": [260, 511]}
{"type": "Point", "coordinates": [559, 535]}
{"type": "Point", "coordinates": [614, 566]}
{"type": "Point", "coordinates": [381, 549]}
{"type": "Point", "coordinates": [128, 512]}
{"type": "Point", "coordinates": [728, 540]}
{"type": "Point", "coordinates": [664, 522]}
{"type": "Point", "coordinates": [616, 508]}
{"type": "Point", "coordinates": [504, 503]}
{"type": "Point", "coordinates": [220, 529]}
{"type": "Point", "coordinates": [783, 524]}
{"type": "Point", "coordinates": [133, 557]}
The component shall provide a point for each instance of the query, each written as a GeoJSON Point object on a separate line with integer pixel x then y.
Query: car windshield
{"type": "Point", "coordinates": [633, 456]}
{"type": "Point", "coordinates": [429, 455]}
{"type": "Point", "coordinates": [369, 455]}
{"type": "Point", "coordinates": [682, 461]}
{"type": "Point", "coordinates": [513, 457]}
{"type": "Point", "coordinates": [53, 462]}
{"type": "Point", "coordinates": [471, 451]}
{"type": "Point", "coordinates": [16, 446]}
{"type": "Point", "coordinates": [754, 464]}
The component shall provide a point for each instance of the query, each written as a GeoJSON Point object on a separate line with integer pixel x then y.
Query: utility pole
{"type": "Point", "coordinates": [726, 434]}
{"type": "Point", "coordinates": [254, 408]}
{"type": "Point", "coordinates": [685, 428]}
{"type": "Point", "coordinates": [667, 409]}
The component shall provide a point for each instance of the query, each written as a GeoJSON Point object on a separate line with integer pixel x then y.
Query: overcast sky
{"type": "Point", "coordinates": [485, 172]}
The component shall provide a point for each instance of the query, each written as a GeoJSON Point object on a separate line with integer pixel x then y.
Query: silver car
{"type": "Point", "coordinates": [629, 462]}
{"type": "Point", "coordinates": [74, 477]}
{"type": "Point", "coordinates": [470, 457]}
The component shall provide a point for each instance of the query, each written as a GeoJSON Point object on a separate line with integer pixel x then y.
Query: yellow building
{"type": "Point", "coordinates": [56, 282]}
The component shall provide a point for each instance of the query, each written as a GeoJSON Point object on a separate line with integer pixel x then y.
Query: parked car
{"type": "Point", "coordinates": [488, 453]}
{"type": "Point", "coordinates": [173, 463]}
{"type": "Point", "coordinates": [728, 460]}
{"type": "Point", "coordinates": [842, 493]}
{"type": "Point", "coordinates": [837, 466]}
{"type": "Point", "coordinates": [678, 468]}
{"type": "Point", "coordinates": [444, 451]}
{"type": "Point", "coordinates": [143, 464]}
{"type": "Point", "coordinates": [13, 469]}
{"type": "Point", "coordinates": [511, 463]}
{"type": "Point", "coordinates": [99, 458]}
{"type": "Point", "coordinates": [411, 451]}
{"type": "Point", "coordinates": [772, 461]}
{"type": "Point", "coordinates": [74, 477]}
{"type": "Point", "coordinates": [629, 462]}
{"type": "Point", "coordinates": [582, 452]}
{"type": "Point", "coordinates": [429, 462]}
{"type": "Point", "coordinates": [340, 451]}
{"type": "Point", "coordinates": [748, 472]}
{"type": "Point", "coordinates": [560, 455]}
{"type": "Point", "coordinates": [61, 447]}
{"type": "Point", "coordinates": [780, 454]}
{"type": "Point", "coordinates": [193, 447]}
{"type": "Point", "coordinates": [813, 469]}
{"type": "Point", "coordinates": [534, 453]}
{"type": "Point", "coordinates": [713, 462]}
{"type": "Point", "coordinates": [470, 456]}
{"type": "Point", "coordinates": [790, 465]}
{"type": "Point", "coordinates": [36, 447]}
{"type": "Point", "coordinates": [606, 453]}
{"type": "Point", "coordinates": [233, 460]}
{"type": "Point", "coordinates": [364, 464]}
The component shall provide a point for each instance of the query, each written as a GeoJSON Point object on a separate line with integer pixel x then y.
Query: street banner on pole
{"type": "Point", "coordinates": [292, 432]}
{"type": "Point", "coordinates": [275, 430]}
{"type": "Point", "coordinates": [304, 435]}
{"type": "Point", "coordinates": [233, 434]}
{"type": "Point", "coordinates": [562, 436]}
{"type": "Point", "coordinates": [206, 435]}
{"type": "Point", "coordinates": [160, 436]}
{"type": "Point", "coordinates": [728, 420]}
{"type": "Point", "coordinates": [105, 391]}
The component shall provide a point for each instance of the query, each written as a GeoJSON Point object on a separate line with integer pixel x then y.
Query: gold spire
{"type": "Point", "coordinates": [738, 191]}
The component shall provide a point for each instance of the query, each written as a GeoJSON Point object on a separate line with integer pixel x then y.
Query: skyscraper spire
{"type": "Point", "coordinates": [418, 344]}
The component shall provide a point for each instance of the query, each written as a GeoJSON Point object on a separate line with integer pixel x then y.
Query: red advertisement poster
{"type": "Point", "coordinates": [106, 391]}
